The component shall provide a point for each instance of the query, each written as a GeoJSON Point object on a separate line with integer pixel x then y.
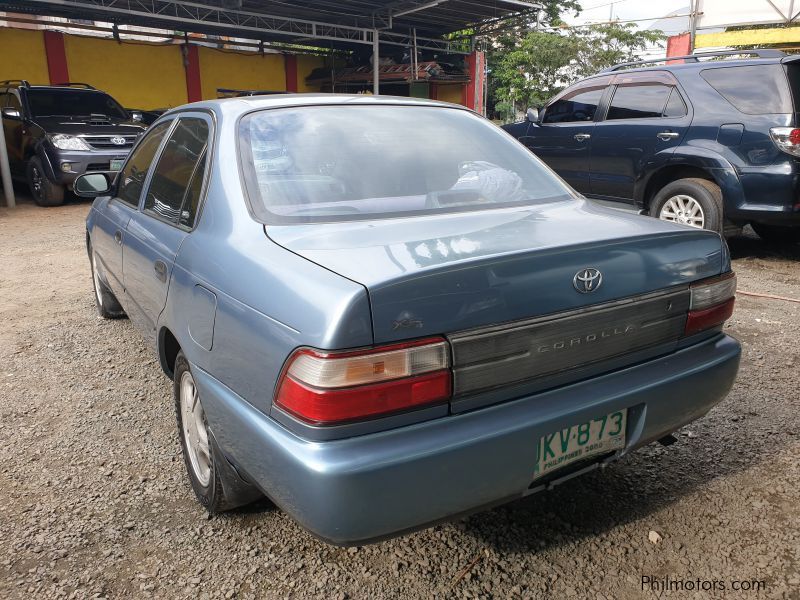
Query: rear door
{"type": "Point", "coordinates": [154, 234]}
{"type": "Point", "coordinates": [563, 138]}
{"type": "Point", "coordinates": [646, 119]}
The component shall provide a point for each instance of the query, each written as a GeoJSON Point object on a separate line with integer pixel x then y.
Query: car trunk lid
{"type": "Point", "coordinates": [442, 274]}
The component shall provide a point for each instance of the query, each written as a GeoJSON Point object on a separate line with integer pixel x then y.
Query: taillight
{"type": "Point", "coordinates": [786, 139]}
{"type": "Point", "coordinates": [326, 388]}
{"type": "Point", "coordinates": [711, 303]}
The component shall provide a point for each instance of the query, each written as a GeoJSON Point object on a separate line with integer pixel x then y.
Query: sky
{"type": "Point", "coordinates": [599, 10]}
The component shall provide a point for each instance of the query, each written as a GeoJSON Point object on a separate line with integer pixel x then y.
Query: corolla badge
{"type": "Point", "coordinates": [119, 141]}
{"type": "Point", "coordinates": [587, 280]}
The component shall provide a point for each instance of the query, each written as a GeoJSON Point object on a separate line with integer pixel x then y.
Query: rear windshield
{"type": "Point", "coordinates": [753, 90]}
{"type": "Point", "coordinates": [73, 103]}
{"type": "Point", "coordinates": [334, 163]}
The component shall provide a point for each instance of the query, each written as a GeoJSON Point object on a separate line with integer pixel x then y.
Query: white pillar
{"type": "Point", "coordinates": [376, 85]}
{"type": "Point", "coordinates": [5, 171]}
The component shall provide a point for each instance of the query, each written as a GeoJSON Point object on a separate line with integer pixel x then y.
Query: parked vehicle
{"type": "Point", "coordinates": [55, 133]}
{"type": "Point", "coordinates": [708, 143]}
{"type": "Point", "coordinates": [383, 312]}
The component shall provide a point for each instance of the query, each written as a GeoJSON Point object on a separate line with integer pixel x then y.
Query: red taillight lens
{"type": "Point", "coordinates": [786, 139]}
{"type": "Point", "coordinates": [326, 388]}
{"type": "Point", "coordinates": [711, 303]}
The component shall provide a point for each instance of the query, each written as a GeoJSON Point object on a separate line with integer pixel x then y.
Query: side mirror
{"type": "Point", "coordinates": [92, 185]}
{"type": "Point", "coordinates": [533, 115]}
{"type": "Point", "coordinates": [12, 113]}
{"type": "Point", "coordinates": [136, 116]}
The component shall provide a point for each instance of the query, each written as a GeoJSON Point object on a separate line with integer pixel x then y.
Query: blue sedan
{"type": "Point", "coordinates": [384, 312]}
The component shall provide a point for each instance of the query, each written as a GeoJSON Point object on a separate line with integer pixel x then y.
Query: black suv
{"type": "Point", "coordinates": [55, 133]}
{"type": "Point", "coordinates": [710, 140]}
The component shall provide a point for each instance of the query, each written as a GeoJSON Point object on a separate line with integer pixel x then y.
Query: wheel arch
{"type": "Point", "coordinates": [168, 348]}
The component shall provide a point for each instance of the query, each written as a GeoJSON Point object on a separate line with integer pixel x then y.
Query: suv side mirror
{"type": "Point", "coordinates": [136, 116]}
{"type": "Point", "coordinates": [92, 185]}
{"type": "Point", "coordinates": [533, 115]}
{"type": "Point", "coordinates": [12, 113]}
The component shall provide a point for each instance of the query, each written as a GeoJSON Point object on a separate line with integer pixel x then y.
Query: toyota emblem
{"type": "Point", "coordinates": [118, 140]}
{"type": "Point", "coordinates": [587, 280]}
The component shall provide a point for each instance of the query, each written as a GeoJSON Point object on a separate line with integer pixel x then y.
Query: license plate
{"type": "Point", "coordinates": [116, 163]}
{"type": "Point", "coordinates": [571, 444]}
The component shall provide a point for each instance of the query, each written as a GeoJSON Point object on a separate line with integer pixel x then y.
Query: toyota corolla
{"type": "Point", "coordinates": [385, 312]}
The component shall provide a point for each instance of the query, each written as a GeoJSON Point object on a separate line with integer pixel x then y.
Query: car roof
{"type": "Point", "coordinates": [249, 103]}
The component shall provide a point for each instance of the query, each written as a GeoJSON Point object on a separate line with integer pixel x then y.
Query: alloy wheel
{"type": "Point", "coordinates": [194, 430]}
{"type": "Point", "coordinates": [683, 209]}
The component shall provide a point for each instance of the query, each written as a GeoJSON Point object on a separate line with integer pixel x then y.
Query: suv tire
{"type": "Point", "coordinates": [775, 234]}
{"type": "Point", "coordinates": [691, 201]}
{"type": "Point", "coordinates": [44, 191]}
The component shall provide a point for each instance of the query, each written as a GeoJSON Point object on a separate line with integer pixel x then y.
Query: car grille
{"type": "Point", "coordinates": [537, 348]}
{"type": "Point", "coordinates": [103, 142]}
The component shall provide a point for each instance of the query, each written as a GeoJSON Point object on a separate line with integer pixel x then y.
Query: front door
{"type": "Point", "coordinates": [563, 137]}
{"type": "Point", "coordinates": [109, 233]}
{"type": "Point", "coordinates": [645, 121]}
{"type": "Point", "coordinates": [155, 234]}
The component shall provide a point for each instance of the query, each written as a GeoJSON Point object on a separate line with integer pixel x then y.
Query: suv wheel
{"type": "Point", "coordinates": [776, 234]}
{"type": "Point", "coordinates": [694, 202]}
{"type": "Point", "coordinates": [44, 191]}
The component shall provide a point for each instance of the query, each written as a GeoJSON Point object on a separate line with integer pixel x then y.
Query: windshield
{"type": "Point", "coordinates": [330, 163]}
{"type": "Point", "coordinates": [73, 103]}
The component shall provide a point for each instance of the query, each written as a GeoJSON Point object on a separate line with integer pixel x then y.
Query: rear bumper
{"type": "Point", "coordinates": [769, 195]}
{"type": "Point", "coordinates": [363, 488]}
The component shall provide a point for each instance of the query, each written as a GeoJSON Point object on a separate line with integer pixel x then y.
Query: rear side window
{"type": "Point", "coordinates": [676, 107]}
{"type": "Point", "coordinates": [132, 176]}
{"type": "Point", "coordinates": [641, 101]}
{"type": "Point", "coordinates": [172, 177]}
{"type": "Point", "coordinates": [753, 90]}
{"type": "Point", "coordinates": [578, 105]}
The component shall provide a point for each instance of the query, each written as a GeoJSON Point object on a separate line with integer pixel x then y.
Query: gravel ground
{"type": "Point", "coordinates": [94, 500]}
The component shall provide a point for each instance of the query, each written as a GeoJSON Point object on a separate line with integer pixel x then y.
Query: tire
{"type": "Point", "coordinates": [44, 191]}
{"type": "Point", "coordinates": [775, 234]}
{"type": "Point", "coordinates": [693, 201]}
{"type": "Point", "coordinates": [214, 481]}
{"type": "Point", "coordinates": [106, 302]}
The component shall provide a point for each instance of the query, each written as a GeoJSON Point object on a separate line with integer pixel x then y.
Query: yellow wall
{"type": "Point", "coordinates": [138, 75]}
{"type": "Point", "coordinates": [240, 71]}
{"type": "Point", "coordinates": [22, 55]}
{"type": "Point", "coordinates": [748, 37]}
{"type": "Point", "coordinates": [449, 93]}
{"type": "Point", "coordinates": [306, 63]}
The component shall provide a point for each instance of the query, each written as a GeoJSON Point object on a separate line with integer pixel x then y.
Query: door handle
{"type": "Point", "coordinates": [118, 237]}
{"type": "Point", "coordinates": [160, 268]}
{"type": "Point", "coordinates": [582, 137]}
{"type": "Point", "coordinates": [667, 135]}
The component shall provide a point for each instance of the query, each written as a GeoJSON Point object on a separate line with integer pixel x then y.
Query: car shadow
{"type": "Point", "coordinates": [748, 245]}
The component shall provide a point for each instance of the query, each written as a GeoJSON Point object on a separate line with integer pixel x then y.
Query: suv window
{"type": "Point", "coordinates": [132, 176]}
{"type": "Point", "coordinates": [171, 183]}
{"type": "Point", "coordinates": [577, 105]}
{"type": "Point", "coordinates": [641, 101]}
{"type": "Point", "coordinates": [766, 90]}
{"type": "Point", "coordinates": [13, 102]}
{"type": "Point", "coordinates": [676, 107]}
{"type": "Point", "coordinates": [69, 102]}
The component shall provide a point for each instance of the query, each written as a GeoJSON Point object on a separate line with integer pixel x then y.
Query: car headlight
{"type": "Point", "coordinates": [63, 141]}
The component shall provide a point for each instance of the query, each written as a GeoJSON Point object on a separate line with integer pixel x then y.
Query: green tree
{"type": "Point", "coordinates": [530, 69]}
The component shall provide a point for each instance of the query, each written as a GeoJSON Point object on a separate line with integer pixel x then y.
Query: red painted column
{"type": "Point", "coordinates": [476, 67]}
{"type": "Point", "coordinates": [56, 57]}
{"type": "Point", "coordinates": [290, 66]}
{"type": "Point", "coordinates": [191, 63]}
{"type": "Point", "coordinates": [678, 45]}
